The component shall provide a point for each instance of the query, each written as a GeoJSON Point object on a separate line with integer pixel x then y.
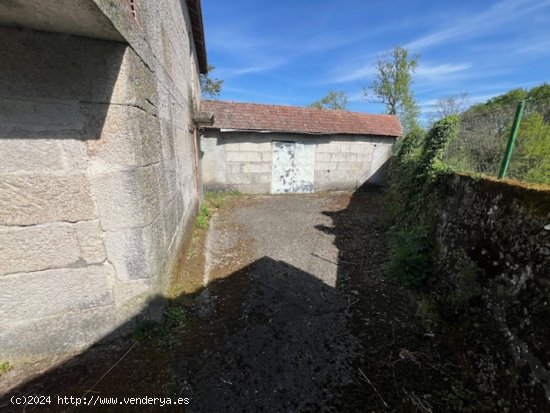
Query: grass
{"type": "Point", "coordinates": [204, 217]}
{"type": "Point", "coordinates": [146, 330]}
{"type": "Point", "coordinates": [212, 201]}
{"type": "Point", "coordinates": [217, 199]}
{"type": "Point", "coordinates": [5, 367]}
{"type": "Point", "coordinates": [162, 334]}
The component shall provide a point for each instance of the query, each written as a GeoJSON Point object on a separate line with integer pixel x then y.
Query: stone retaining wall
{"type": "Point", "coordinates": [494, 244]}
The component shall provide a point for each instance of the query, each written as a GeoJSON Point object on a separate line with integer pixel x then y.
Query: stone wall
{"type": "Point", "coordinates": [97, 174]}
{"type": "Point", "coordinates": [243, 160]}
{"type": "Point", "coordinates": [494, 245]}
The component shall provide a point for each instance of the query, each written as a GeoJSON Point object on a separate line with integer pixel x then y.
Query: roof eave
{"type": "Point", "coordinates": [294, 132]}
{"type": "Point", "coordinates": [195, 13]}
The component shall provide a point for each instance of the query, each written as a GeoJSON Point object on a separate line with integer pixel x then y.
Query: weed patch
{"type": "Point", "coordinates": [5, 367]}
{"type": "Point", "coordinates": [145, 331]}
{"type": "Point", "coordinates": [410, 258]}
{"type": "Point", "coordinates": [213, 201]}
{"type": "Point", "coordinates": [161, 334]}
{"type": "Point", "coordinates": [217, 199]}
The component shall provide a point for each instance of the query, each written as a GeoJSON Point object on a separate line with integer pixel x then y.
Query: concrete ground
{"type": "Point", "coordinates": [281, 307]}
{"type": "Point", "coordinates": [291, 346]}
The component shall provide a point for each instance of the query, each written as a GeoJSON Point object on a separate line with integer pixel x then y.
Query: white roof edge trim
{"type": "Point", "coordinates": [301, 132]}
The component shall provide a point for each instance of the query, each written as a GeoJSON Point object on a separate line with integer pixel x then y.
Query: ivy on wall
{"type": "Point", "coordinates": [416, 184]}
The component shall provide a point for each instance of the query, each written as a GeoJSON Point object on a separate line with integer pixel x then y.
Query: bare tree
{"type": "Point", "coordinates": [450, 105]}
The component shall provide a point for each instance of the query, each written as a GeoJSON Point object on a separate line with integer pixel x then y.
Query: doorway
{"type": "Point", "coordinates": [293, 167]}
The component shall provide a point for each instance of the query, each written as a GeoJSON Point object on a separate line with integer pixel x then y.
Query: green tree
{"type": "Point", "coordinates": [485, 130]}
{"type": "Point", "coordinates": [335, 99]}
{"type": "Point", "coordinates": [540, 92]}
{"type": "Point", "coordinates": [531, 157]}
{"type": "Point", "coordinates": [392, 86]}
{"type": "Point", "coordinates": [540, 100]}
{"type": "Point", "coordinates": [210, 87]}
{"type": "Point", "coordinates": [510, 97]}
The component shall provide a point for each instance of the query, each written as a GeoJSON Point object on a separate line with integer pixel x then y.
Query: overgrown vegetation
{"type": "Point", "coordinates": [446, 281]}
{"type": "Point", "coordinates": [162, 333]}
{"type": "Point", "coordinates": [416, 185]}
{"type": "Point", "coordinates": [485, 129]}
{"type": "Point", "coordinates": [410, 262]}
{"type": "Point", "coordinates": [217, 199]}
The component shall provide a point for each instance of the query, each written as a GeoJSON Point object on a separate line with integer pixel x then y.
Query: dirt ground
{"type": "Point", "coordinates": [281, 307]}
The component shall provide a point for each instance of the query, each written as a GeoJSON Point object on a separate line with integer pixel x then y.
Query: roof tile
{"type": "Point", "coordinates": [276, 118]}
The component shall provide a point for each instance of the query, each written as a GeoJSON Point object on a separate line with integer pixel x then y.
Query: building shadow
{"type": "Point", "coordinates": [378, 178]}
{"type": "Point", "coordinates": [55, 86]}
{"type": "Point", "coordinates": [269, 337]}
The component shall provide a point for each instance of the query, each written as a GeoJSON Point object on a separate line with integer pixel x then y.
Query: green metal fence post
{"type": "Point", "coordinates": [511, 140]}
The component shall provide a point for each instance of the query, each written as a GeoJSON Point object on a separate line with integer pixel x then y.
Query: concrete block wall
{"type": "Point", "coordinates": [97, 183]}
{"type": "Point", "coordinates": [236, 164]}
{"type": "Point", "coordinates": [349, 162]}
{"type": "Point", "coordinates": [243, 160]}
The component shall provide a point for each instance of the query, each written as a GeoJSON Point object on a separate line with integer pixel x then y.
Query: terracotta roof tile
{"type": "Point", "coordinates": [276, 118]}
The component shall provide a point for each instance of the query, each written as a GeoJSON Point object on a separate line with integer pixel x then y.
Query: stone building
{"type": "Point", "coordinates": [99, 175]}
{"type": "Point", "coordinates": [277, 149]}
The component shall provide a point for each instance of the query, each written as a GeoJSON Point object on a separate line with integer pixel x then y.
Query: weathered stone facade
{"type": "Point", "coordinates": [97, 166]}
{"type": "Point", "coordinates": [243, 160]}
{"type": "Point", "coordinates": [494, 245]}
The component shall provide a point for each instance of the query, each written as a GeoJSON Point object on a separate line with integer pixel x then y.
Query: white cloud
{"type": "Point", "coordinates": [359, 73]}
{"type": "Point", "coordinates": [356, 97]}
{"type": "Point", "coordinates": [367, 72]}
{"type": "Point", "coordinates": [497, 15]}
{"type": "Point", "coordinates": [534, 47]}
{"type": "Point", "coordinates": [441, 70]}
{"type": "Point", "coordinates": [265, 65]}
{"type": "Point", "coordinates": [264, 53]}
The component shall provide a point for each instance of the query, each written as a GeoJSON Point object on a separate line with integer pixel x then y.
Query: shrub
{"type": "Point", "coordinates": [410, 258]}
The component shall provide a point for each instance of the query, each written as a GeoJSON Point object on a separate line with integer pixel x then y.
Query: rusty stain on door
{"type": "Point", "coordinates": [292, 167]}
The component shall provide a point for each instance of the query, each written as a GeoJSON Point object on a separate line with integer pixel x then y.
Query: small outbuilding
{"type": "Point", "coordinates": [257, 148]}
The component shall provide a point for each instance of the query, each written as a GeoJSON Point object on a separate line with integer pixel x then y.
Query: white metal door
{"type": "Point", "coordinates": [293, 167]}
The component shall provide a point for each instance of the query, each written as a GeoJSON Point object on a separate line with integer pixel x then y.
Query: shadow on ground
{"type": "Point", "coordinates": [268, 338]}
{"type": "Point", "coordinates": [272, 337]}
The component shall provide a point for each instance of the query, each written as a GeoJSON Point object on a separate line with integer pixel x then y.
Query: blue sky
{"type": "Point", "coordinates": [294, 52]}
